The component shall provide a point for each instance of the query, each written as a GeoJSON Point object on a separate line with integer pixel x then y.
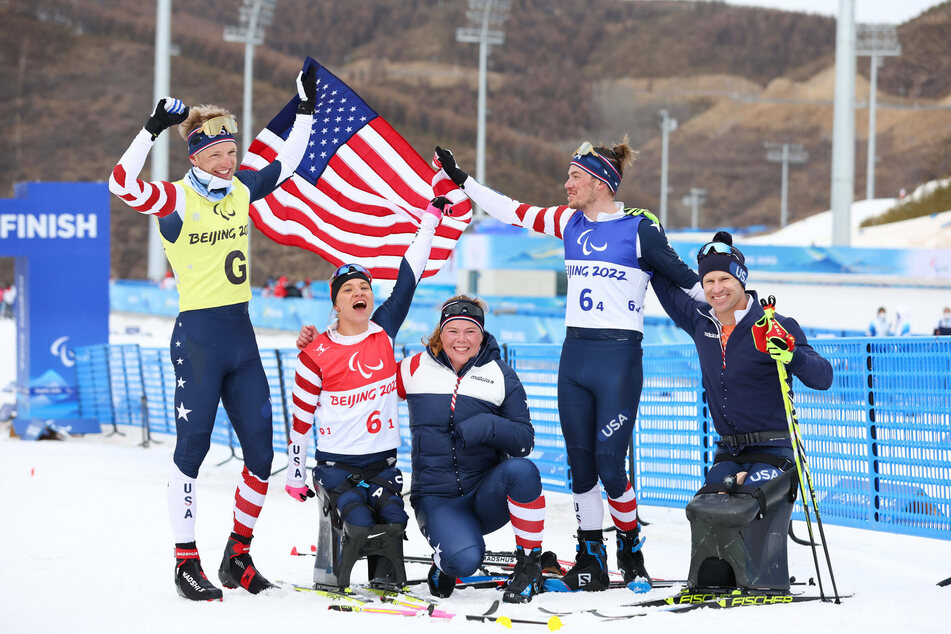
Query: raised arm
{"type": "Point", "coordinates": [263, 182]}
{"type": "Point", "coordinates": [158, 198]}
{"type": "Point", "coordinates": [391, 314]}
{"type": "Point", "coordinates": [547, 220]}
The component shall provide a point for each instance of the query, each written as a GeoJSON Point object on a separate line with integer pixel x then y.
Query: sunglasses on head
{"type": "Point", "coordinates": [588, 148]}
{"type": "Point", "coordinates": [716, 247]}
{"type": "Point", "coordinates": [213, 127]}
{"type": "Point", "coordinates": [347, 269]}
{"type": "Point", "coordinates": [462, 307]}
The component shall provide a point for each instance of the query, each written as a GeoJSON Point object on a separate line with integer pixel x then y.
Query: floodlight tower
{"type": "Point", "coordinates": [696, 198]}
{"type": "Point", "coordinates": [785, 153]}
{"type": "Point", "coordinates": [483, 13]}
{"type": "Point", "coordinates": [667, 125]}
{"type": "Point", "coordinates": [875, 41]}
{"type": "Point", "coordinates": [160, 88]}
{"type": "Point", "coordinates": [255, 16]}
{"type": "Point", "coordinates": [843, 126]}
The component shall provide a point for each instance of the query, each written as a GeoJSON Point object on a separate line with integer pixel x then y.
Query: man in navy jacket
{"type": "Point", "coordinates": [741, 382]}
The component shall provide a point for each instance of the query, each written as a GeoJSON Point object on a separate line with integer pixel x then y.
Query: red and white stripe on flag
{"type": "Point", "coordinates": [365, 203]}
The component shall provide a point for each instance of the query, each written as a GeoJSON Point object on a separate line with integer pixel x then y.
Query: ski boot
{"type": "Point", "coordinates": [526, 580]}
{"type": "Point", "coordinates": [630, 560]}
{"type": "Point", "coordinates": [440, 584]}
{"type": "Point", "coordinates": [237, 568]}
{"type": "Point", "coordinates": [190, 579]}
{"type": "Point", "coordinates": [590, 572]}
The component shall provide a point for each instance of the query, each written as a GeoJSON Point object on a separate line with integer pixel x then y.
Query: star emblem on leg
{"type": "Point", "coordinates": [182, 412]}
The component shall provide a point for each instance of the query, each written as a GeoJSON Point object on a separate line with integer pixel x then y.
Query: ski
{"type": "Point", "coordinates": [689, 601]}
{"type": "Point", "coordinates": [749, 600]}
{"type": "Point", "coordinates": [361, 599]}
{"type": "Point", "coordinates": [639, 586]}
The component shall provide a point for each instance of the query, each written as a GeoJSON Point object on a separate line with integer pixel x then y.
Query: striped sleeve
{"type": "Point", "coordinates": [159, 198]}
{"type": "Point", "coordinates": [548, 220]}
{"type": "Point", "coordinates": [306, 395]}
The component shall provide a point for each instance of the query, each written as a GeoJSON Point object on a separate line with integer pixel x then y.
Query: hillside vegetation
{"type": "Point", "coordinates": [76, 84]}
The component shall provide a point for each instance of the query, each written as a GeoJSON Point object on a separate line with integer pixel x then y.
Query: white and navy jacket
{"type": "Point", "coordinates": [462, 424]}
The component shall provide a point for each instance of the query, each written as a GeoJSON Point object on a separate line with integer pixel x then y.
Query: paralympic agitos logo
{"type": "Point", "coordinates": [225, 213]}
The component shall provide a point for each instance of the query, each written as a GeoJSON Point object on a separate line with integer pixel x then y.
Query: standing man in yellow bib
{"type": "Point", "coordinates": [203, 220]}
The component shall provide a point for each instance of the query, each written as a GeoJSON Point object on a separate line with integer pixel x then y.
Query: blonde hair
{"type": "Point", "coordinates": [619, 155]}
{"type": "Point", "coordinates": [197, 115]}
{"type": "Point", "coordinates": [433, 342]}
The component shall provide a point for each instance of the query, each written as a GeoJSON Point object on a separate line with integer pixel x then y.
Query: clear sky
{"type": "Point", "coordinates": [866, 11]}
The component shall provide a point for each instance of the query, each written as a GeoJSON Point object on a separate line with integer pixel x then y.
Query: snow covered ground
{"type": "Point", "coordinates": [87, 542]}
{"type": "Point", "coordinates": [88, 548]}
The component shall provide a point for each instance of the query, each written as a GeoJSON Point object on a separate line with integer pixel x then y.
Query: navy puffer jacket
{"type": "Point", "coordinates": [454, 447]}
{"type": "Point", "coordinates": [742, 383]}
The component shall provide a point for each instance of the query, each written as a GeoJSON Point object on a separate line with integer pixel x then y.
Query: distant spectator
{"type": "Point", "coordinates": [944, 326]}
{"type": "Point", "coordinates": [901, 327]}
{"type": "Point", "coordinates": [9, 297]}
{"type": "Point", "coordinates": [291, 290]}
{"type": "Point", "coordinates": [879, 327]}
{"type": "Point", "coordinates": [306, 290]}
{"type": "Point", "coordinates": [168, 282]}
{"type": "Point", "coordinates": [280, 289]}
{"type": "Point", "coordinates": [268, 289]}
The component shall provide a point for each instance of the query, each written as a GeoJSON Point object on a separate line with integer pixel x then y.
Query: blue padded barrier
{"type": "Point", "coordinates": [878, 441]}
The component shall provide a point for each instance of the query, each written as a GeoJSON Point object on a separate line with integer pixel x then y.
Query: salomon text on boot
{"type": "Point", "coordinates": [590, 572]}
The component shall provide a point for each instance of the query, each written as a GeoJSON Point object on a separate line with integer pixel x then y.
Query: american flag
{"type": "Point", "coordinates": [358, 193]}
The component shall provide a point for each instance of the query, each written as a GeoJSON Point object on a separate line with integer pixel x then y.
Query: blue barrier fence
{"type": "Point", "coordinates": [878, 441]}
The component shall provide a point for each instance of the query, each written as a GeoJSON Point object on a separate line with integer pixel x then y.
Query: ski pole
{"type": "Point", "coordinates": [802, 466]}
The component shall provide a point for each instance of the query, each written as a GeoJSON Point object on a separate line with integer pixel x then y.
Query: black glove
{"type": "Point", "coordinates": [440, 202]}
{"type": "Point", "coordinates": [307, 90]}
{"type": "Point", "coordinates": [448, 163]}
{"type": "Point", "coordinates": [168, 112]}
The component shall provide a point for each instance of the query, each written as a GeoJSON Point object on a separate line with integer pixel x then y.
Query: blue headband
{"type": "Point", "coordinates": [599, 167]}
{"type": "Point", "coordinates": [198, 140]}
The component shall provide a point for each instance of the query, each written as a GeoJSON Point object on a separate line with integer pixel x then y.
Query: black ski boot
{"type": "Point", "coordinates": [526, 580]}
{"type": "Point", "coordinates": [440, 584]}
{"type": "Point", "coordinates": [630, 558]}
{"type": "Point", "coordinates": [190, 579]}
{"type": "Point", "coordinates": [590, 572]}
{"type": "Point", "coordinates": [237, 568]}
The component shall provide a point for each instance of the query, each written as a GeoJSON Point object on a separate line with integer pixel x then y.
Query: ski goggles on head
{"type": "Point", "coordinates": [344, 274]}
{"type": "Point", "coordinates": [213, 127]}
{"type": "Point", "coordinates": [211, 132]}
{"type": "Point", "coordinates": [347, 269]}
{"type": "Point", "coordinates": [717, 247]}
{"type": "Point", "coordinates": [584, 148]}
{"type": "Point", "coordinates": [462, 309]}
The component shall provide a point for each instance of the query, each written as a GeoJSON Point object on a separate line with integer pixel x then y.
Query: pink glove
{"type": "Point", "coordinates": [437, 207]}
{"type": "Point", "coordinates": [301, 494]}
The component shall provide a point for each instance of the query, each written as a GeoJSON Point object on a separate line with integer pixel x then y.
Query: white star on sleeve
{"type": "Point", "coordinates": [181, 382]}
